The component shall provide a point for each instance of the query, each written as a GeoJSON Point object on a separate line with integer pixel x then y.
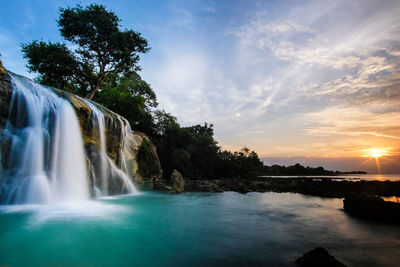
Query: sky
{"type": "Point", "coordinates": [314, 82]}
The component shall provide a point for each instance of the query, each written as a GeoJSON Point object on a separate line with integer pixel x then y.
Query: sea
{"type": "Point", "coordinates": [192, 229]}
{"type": "Point", "coordinates": [348, 177]}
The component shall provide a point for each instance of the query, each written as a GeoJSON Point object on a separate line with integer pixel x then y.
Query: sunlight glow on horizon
{"type": "Point", "coordinates": [376, 152]}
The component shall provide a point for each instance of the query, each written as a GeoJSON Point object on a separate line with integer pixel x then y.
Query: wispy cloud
{"type": "Point", "coordinates": [327, 64]}
{"type": "Point", "coordinates": [354, 122]}
{"type": "Point", "coordinates": [286, 77]}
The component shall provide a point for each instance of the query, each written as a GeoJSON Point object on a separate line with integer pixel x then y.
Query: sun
{"type": "Point", "coordinates": [376, 152]}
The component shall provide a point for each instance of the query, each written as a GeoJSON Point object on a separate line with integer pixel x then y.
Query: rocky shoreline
{"type": "Point", "coordinates": [361, 198]}
{"type": "Point", "coordinates": [322, 187]}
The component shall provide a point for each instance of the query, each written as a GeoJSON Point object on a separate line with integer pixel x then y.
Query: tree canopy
{"type": "Point", "coordinates": [132, 98]}
{"type": "Point", "coordinates": [103, 51]}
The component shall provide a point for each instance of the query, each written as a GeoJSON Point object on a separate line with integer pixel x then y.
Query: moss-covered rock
{"type": "Point", "coordinates": [149, 167]}
{"type": "Point", "coordinates": [5, 99]}
{"type": "Point", "coordinates": [5, 95]}
{"type": "Point", "coordinates": [177, 182]}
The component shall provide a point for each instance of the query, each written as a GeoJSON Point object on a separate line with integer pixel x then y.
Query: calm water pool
{"type": "Point", "coordinates": [191, 229]}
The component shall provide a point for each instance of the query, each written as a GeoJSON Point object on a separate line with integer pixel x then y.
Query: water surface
{"type": "Point", "coordinates": [347, 177]}
{"type": "Point", "coordinates": [196, 229]}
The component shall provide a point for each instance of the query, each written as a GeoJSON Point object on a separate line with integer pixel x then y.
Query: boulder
{"type": "Point", "coordinates": [318, 257]}
{"type": "Point", "coordinates": [371, 207]}
{"type": "Point", "coordinates": [177, 182]}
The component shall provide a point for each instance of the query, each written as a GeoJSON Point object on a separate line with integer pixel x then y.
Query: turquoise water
{"type": "Point", "coordinates": [191, 229]}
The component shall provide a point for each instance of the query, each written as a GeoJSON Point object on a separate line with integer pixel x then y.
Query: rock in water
{"type": "Point", "coordinates": [177, 182]}
{"type": "Point", "coordinates": [318, 257]}
{"type": "Point", "coordinates": [363, 205]}
{"type": "Point", "coordinates": [371, 207]}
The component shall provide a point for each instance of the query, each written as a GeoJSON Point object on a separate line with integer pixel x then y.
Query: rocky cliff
{"type": "Point", "coordinates": [112, 149]}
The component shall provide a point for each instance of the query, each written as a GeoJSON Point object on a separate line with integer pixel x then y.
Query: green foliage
{"type": "Point", "coordinates": [164, 122]}
{"type": "Point", "coordinates": [296, 169]}
{"type": "Point", "coordinates": [104, 51]}
{"type": "Point", "coordinates": [134, 85]}
{"type": "Point", "coordinates": [244, 163]}
{"type": "Point", "coordinates": [195, 153]}
{"type": "Point", "coordinates": [53, 61]}
{"type": "Point", "coordinates": [132, 98]}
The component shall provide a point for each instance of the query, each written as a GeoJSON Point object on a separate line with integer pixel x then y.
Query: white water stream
{"type": "Point", "coordinates": [107, 166]}
{"type": "Point", "coordinates": [44, 144]}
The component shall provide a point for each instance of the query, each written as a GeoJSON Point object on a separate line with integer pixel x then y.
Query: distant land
{"type": "Point", "coordinates": [388, 165]}
{"type": "Point", "coordinates": [298, 169]}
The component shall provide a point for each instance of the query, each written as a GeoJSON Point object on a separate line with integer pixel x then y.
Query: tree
{"type": "Point", "coordinates": [164, 121]}
{"type": "Point", "coordinates": [104, 51]}
{"type": "Point", "coordinates": [55, 63]}
{"type": "Point", "coordinates": [132, 98]}
{"type": "Point", "coordinates": [134, 85]}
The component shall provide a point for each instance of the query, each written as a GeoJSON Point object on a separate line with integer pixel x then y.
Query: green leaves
{"type": "Point", "coordinates": [91, 26]}
{"type": "Point", "coordinates": [103, 51]}
{"type": "Point", "coordinates": [101, 42]}
{"type": "Point", "coordinates": [136, 86]}
{"type": "Point", "coordinates": [53, 61]}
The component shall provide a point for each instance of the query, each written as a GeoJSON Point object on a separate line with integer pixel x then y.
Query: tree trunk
{"type": "Point", "coordinates": [90, 95]}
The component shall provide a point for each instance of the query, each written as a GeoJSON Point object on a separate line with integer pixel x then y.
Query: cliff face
{"type": "Point", "coordinates": [5, 95]}
{"type": "Point", "coordinates": [112, 149]}
{"type": "Point", "coordinates": [5, 98]}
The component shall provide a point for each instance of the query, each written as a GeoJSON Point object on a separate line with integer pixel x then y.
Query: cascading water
{"type": "Point", "coordinates": [46, 161]}
{"type": "Point", "coordinates": [42, 148]}
{"type": "Point", "coordinates": [108, 169]}
{"type": "Point", "coordinates": [100, 186]}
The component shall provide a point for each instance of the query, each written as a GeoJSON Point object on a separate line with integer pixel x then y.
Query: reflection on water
{"type": "Point", "coordinates": [196, 229]}
{"type": "Point", "coordinates": [392, 199]}
{"type": "Point", "coordinates": [87, 210]}
{"type": "Point", "coordinates": [348, 177]}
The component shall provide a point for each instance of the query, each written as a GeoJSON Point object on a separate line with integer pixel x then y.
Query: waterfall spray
{"type": "Point", "coordinates": [46, 161]}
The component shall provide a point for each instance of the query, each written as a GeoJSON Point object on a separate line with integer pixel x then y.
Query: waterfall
{"type": "Point", "coordinates": [42, 156]}
{"type": "Point", "coordinates": [46, 159]}
{"type": "Point", "coordinates": [107, 169]}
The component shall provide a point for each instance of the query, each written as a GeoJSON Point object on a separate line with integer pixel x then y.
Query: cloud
{"type": "Point", "coordinates": [358, 66]}
{"type": "Point", "coordinates": [313, 77]}
{"type": "Point", "coordinates": [289, 78]}
{"type": "Point", "coordinates": [353, 121]}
